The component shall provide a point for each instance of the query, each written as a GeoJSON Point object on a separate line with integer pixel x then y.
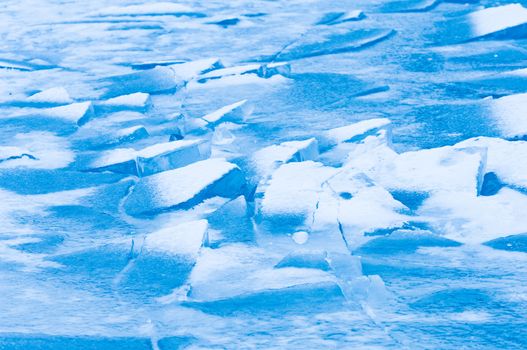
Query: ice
{"type": "Point", "coordinates": [306, 259]}
{"type": "Point", "coordinates": [57, 95]}
{"type": "Point", "coordinates": [292, 193]}
{"type": "Point", "coordinates": [183, 239]}
{"type": "Point", "coordinates": [333, 18]}
{"type": "Point", "coordinates": [516, 243]}
{"type": "Point", "coordinates": [466, 218]}
{"type": "Point", "coordinates": [185, 187]}
{"type": "Point", "coordinates": [78, 113]}
{"type": "Point", "coordinates": [331, 41]}
{"type": "Point", "coordinates": [438, 169]}
{"type": "Point", "coordinates": [507, 159]}
{"type": "Point", "coordinates": [98, 139]}
{"type": "Point", "coordinates": [136, 101]}
{"type": "Point", "coordinates": [501, 23]}
{"type": "Point", "coordinates": [509, 113]}
{"type": "Point", "coordinates": [38, 150]}
{"type": "Point", "coordinates": [269, 158]}
{"type": "Point", "coordinates": [152, 9]}
{"type": "Point", "coordinates": [237, 270]}
{"type": "Point", "coordinates": [236, 113]}
{"type": "Point", "coordinates": [263, 71]}
{"type": "Point", "coordinates": [161, 79]}
{"type": "Point", "coordinates": [152, 159]}
{"type": "Point", "coordinates": [354, 132]}
{"type": "Point", "coordinates": [494, 20]}
{"type": "Point", "coordinates": [410, 6]}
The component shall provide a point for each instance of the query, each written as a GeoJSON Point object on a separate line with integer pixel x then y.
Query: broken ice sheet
{"type": "Point", "coordinates": [492, 23]}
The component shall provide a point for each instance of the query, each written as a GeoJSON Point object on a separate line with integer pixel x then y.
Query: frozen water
{"type": "Point", "coordinates": [263, 175]}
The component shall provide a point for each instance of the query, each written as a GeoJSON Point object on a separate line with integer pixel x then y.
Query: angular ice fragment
{"type": "Point", "coordinates": [38, 150]}
{"type": "Point", "coordinates": [57, 95]}
{"type": "Point", "coordinates": [306, 259]}
{"type": "Point", "coordinates": [501, 22]}
{"type": "Point", "coordinates": [153, 64]}
{"type": "Point", "coordinates": [183, 239]}
{"type": "Point", "coordinates": [507, 159]}
{"type": "Point", "coordinates": [136, 101]}
{"type": "Point", "coordinates": [262, 71]}
{"type": "Point", "coordinates": [495, 20]}
{"type": "Point", "coordinates": [354, 132]}
{"type": "Point", "coordinates": [332, 18]}
{"type": "Point", "coordinates": [466, 218]}
{"type": "Point", "coordinates": [150, 9]}
{"type": "Point", "coordinates": [332, 41]}
{"type": "Point", "coordinates": [185, 187]}
{"type": "Point", "coordinates": [269, 158]}
{"type": "Point", "coordinates": [230, 275]}
{"type": "Point", "coordinates": [78, 113]}
{"type": "Point", "coordinates": [159, 79]}
{"type": "Point", "coordinates": [445, 168]}
{"type": "Point", "coordinates": [153, 159]}
{"type": "Point", "coordinates": [410, 6]}
{"type": "Point", "coordinates": [509, 112]}
{"type": "Point", "coordinates": [236, 113]}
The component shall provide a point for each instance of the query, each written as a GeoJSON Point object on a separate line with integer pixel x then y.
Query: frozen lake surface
{"type": "Point", "coordinates": [273, 174]}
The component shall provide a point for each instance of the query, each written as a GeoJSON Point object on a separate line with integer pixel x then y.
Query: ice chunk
{"type": "Point", "coordinates": [354, 132]}
{"type": "Point", "coordinates": [466, 218]}
{"type": "Point", "coordinates": [515, 243]}
{"type": "Point", "coordinates": [57, 95]}
{"type": "Point", "coordinates": [185, 187]}
{"type": "Point", "coordinates": [153, 159]}
{"type": "Point", "coordinates": [234, 272]}
{"type": "Point", "coordinates": [78, 113]}
{"type": "Point", "coordinates": [509, 112]}
{"type": "Point", "coordinates": [410, 6]}
{"type": "Point", "coordinates": [262, 71]}
{"type": "Point", "coordinates": [269, 158]}
{"type": "Point", "coordinates": [306, 259]}
{"type": "Point", "coordinates": [153, 64]}
{"type": "Point", "coordinates": [357, 207]}
{"type": "Point", "coordinates": [183, 239]}
{"type": "Point", "coordinates": [293, 192]}
{"type": "Point", "coordinates": [497, 19]}
{"type": "Point", "coordinates": [113, 138]}
{"type": "Point", "coordinates": [150, 9]}
{"type": "Point", "coordinates": [136, 101]}
{"type": "Point", "coordinates": [160, 79]}
{"type": "Point", "coordinates": [236, 112]}
{"type": "Point", "coordinates": [233, 222]}
{"type": "Point", "coordinates": [332, 18]}
{"type": "Point", "coordinates": [507, 159]}
{"type": "Point", "coordinates": [445, 168]}
{"type": "Point", "coordinates": [332, 41]}
{"type": "Point", "coordinates": [501, 22]}
{"type": "Point", "coordinates": [36, 149]}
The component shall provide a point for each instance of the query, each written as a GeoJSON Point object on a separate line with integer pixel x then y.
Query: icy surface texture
{"type": "Point", "coordinates": [287, 174]}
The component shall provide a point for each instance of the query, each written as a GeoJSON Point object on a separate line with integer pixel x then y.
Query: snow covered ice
{"type": "Point", "coordinates": [263, 175]}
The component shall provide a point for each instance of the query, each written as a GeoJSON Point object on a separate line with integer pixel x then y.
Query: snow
{"type": "Point", "coordinates": [439, 169]}
{"type": "Point", "coordinates": [353, 131]}
{"type": "Point", "coordinates": [138, 99]}
{"type": "Point", "coordinates": [152, 159]}
{"type": "Point", "coordinates": [236, 112]}
{"type": "Point", "coordinates": [183, 239]}
{"type": "Point", "coordinates": [269, 158]}
{"type": "Point", "coordinates": [509, 113]}
{"type": "Point", "coordinates": [57, 95]}
{"type": "Point", "coordinates": [494, 19]}
{"type": "Point", "coordinates": [38, 150]}
{"type": "Point", "coordinates": [185, 187]}
{"type": "Point", "coordinates": [159, 8]}
{"type": "Point", "coordinates": [466, 218]}
{"type": "Point", "coordinates": [78, 113]}
{"type": "Point", "coordinates": [502, 158]}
